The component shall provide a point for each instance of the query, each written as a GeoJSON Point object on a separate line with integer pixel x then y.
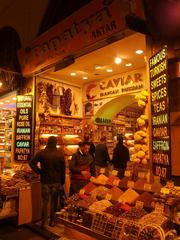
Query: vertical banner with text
{"type": "Point", "coordinates": [23, 132]}
{"type": "Point", "coordinates": [160, 114]}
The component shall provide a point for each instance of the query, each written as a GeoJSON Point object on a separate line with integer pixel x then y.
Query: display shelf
{"type": "Point", "coordinates": [9, 124]}
{"type": "Point", "coordinates": [82, 229]}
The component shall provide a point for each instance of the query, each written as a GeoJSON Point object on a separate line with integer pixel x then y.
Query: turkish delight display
{"type": "Point", "coordinates": [89, 187]}
{"type": "Point", "coordinates": [100, 192]}
{"type": "Point", "coordinates": [86, 202]}
{"type": "Point", "coordinates": [146, 198]}
{"type": "Point", "coordinates": [117, 209]}
{"type": "Point", "coordinates": [101, 179]}
{"type": "Point", "coordinates": [100, 206]}
{"type": "Point", "coordinates": [115, 193]}
{"type": "Point", "coordinates": [124, 181]}
{"type": "Point", "coordinates": [139, 184]}
{"type": "Point", "coordinates": [111, 179]}
{"type": "Point", "coordinates": [134, 213]}
{"type": "Point", "coordinates": [154, 217]}
{"type": "Point", "coordinates": [129, 196]}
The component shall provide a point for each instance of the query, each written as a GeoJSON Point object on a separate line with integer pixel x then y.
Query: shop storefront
{"type": "Point", "coordinates": [74, 87]}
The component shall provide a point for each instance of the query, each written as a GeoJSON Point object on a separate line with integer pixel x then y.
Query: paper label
{"type": "Point", "coordinates": [170, 184]}
{"type": "Point", "coordinates": [127, 174]}
{"type": "Point", "coordinates": [92, 179]}
{"type": "Point", "coordinates": [139, 204]}
{"type": "Point", "coordinates": [165, 190]}
{"type": "Point", "coordinates": [116, 182]}
{"type": "Point", "coordinates": [102, 170]}
{"type": "Point", "coordinates": [81, 191]}
{"type": "Point", "coordinates": [114, 172]}
{"type": "Point", "coordinates": [108, 196]}
{"type": "Point", "coordinates": [147, 187]}
{"type": "Point", "coordinates": [159, 208]}
{"type": "Point", "coordinates": [130, 184]}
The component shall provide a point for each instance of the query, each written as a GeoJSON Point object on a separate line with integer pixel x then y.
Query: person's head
{"type": "Point", "coordinates": [103, 139]}
{"type": "Point", "coordinates": [84, 147]}
{"type": "Point", "coordinates": [86, 137]}
{"type": "Point", "coordinates": [52, 141]}
{"type": "Point", "coordinates": [120, 139]}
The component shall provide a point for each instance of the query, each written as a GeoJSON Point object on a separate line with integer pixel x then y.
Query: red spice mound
{"type": "Point", "coordinates": [89, 187]}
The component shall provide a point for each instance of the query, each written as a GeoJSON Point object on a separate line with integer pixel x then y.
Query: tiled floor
{"type": "Point", "coordinates": [12, 232]}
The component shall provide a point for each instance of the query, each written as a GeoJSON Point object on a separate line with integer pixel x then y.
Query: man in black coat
{"type": "Point", "coordinates": [52, 174]}
{"type": "Point", "coordinates": [120, 157]}
{"type": "Point", "coordinates": [101, 156]}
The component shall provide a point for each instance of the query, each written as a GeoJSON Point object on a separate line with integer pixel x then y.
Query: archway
{"type": "Point", "coordinates": [111, 108]}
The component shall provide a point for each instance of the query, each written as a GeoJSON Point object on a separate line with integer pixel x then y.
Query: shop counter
{"type": "Point", "coordinates": [76, 231]}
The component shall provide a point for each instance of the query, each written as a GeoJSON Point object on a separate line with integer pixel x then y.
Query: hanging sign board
{"type": "Point", "coordinates": [92, 23]}
{"type": "Point", "coordinates": [23, 132]}
{"type": "Point", "coordinates": [160, 114]}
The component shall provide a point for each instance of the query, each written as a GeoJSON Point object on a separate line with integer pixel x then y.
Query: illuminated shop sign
{"type": "Point", "coordinates": [103, 121]}
{"type": "Point", "coordinates": [160, 114]}
{"type": "Point", "coordinates": [94, 22]}
{"type": "Point", "coordinates": [118, 84]}
{"type": "Point", "coordinates": [23, 134]}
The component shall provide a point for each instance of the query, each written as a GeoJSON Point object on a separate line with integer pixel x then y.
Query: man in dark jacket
{"type": "Point", "coordinates": [120, 156]}
{"type": "Point", "coordinates": [101, 156]}
{"type": "Point", "coordinates": [81, 168]}
{"type": "Point", "coordinates": [91, 144]}
{"type": "Point", "coordinates": [52, 174]}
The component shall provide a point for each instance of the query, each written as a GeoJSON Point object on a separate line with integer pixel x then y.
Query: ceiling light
{"type": "Point", "coordinates": [97, 67]}
{"type": "Point", "coordinates": [7, 101]}
{"type": "Point", "coordinates": [85, 78]}
{"type": "Point", "coordinates": [109, 70]}
{"type": "Point", "coordinates": [1, 103]}
{"type": "Point", "coordinates": [0, 84]}
{"type": "Point", "coordinates": [73, 74]}
{"type": "Point", "coordinates": [139, 51]}
{"type": "Point", "coordinates": [118, 60]}
{"type": "Point", "coordinates": [14, 98]}
{"type": "Point", "coordinates": [128, 64]}
{"type": "Point", "coordinates": [4, 108]}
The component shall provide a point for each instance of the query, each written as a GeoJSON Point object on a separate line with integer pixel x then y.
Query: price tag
{"type": "Point", "coordinates": [114, 172]}
{"type": "Point", "coordinates": [130, 184]}
{"type": "Point", "coordinates": [116, 182]}
{"type": "Point", "coordinates": [159, 208]}
{"type": "Point", "coordinates": [81, 191]}
{"type": "Point", "coordinates": [102, 170]}
{"type": "Point", "coordinates": [165, 190]}
{"type": "Point", "coordinates": [139, 204]}
{"type": "Point", "coordinates": [141, 175]}
{"type": "Point", "coordinates": [108, 196]}
{"type": "Point", "coordinates": [170, 184]}
{"type": "Point", "coordinates": [127, 174]}
{"type": "Point", "coordinates": [147, 186]}
{"type": "Point", "coordinates": [92, 179]}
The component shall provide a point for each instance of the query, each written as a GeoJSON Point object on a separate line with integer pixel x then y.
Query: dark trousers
{"type": "Point", "coordinates": [49, 192]}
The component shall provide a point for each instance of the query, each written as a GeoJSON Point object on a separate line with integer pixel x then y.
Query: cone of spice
{"type": "Point", "coordinates": [89, 188]}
